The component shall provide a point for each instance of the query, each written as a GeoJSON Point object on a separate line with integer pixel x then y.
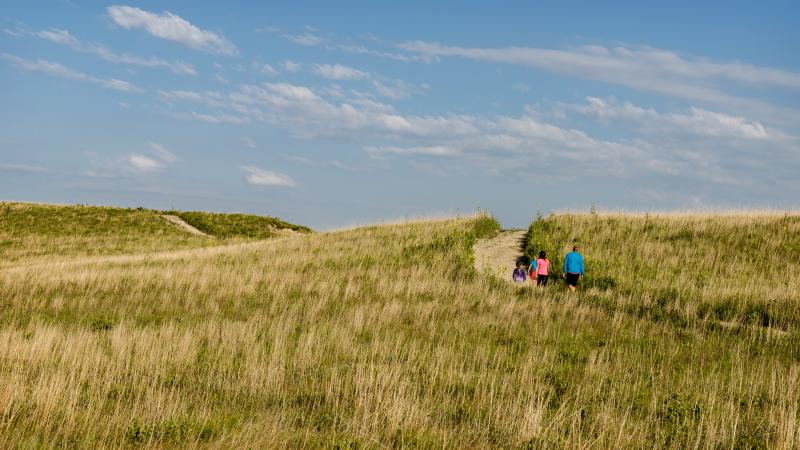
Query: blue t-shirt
{"type": "Point", "coordinates": [573, 263]}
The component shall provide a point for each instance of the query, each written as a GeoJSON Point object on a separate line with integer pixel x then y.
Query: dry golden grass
{"type": "Point", "coordinates": [372, 337]}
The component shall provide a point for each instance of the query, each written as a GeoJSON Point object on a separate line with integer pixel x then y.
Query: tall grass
{"type": "Point", "coordinates": [372, 337]}
{"type": "Point", "coordinates": [734, 268]}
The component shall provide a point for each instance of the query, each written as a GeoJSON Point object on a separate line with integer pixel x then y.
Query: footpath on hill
{"type": "Point", "coordinates": [498, 254]}
{"type": "Point", "coordinates": [175, 220]}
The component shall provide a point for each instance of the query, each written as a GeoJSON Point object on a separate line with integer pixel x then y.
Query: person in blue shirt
{"type": "Point", "coordinates": [573, 268]}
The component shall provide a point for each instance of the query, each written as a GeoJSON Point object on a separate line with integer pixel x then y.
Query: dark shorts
{"type": "Point", "coordinates": [541, 280]}
{"type": "Point", "coordinates": [572, 279]}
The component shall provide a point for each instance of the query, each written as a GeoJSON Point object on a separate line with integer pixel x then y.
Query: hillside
{"type": "Point", "coordinates": [384, 336]}
{"type": "Point", "coordinates": [684, 268]}
{"type": "Point", "coordinates": [30, 230]}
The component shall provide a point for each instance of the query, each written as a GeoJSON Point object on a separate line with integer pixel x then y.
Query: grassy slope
{"type": "Point", "coordinates": [369, 337]}
{"type": "Point", "coordinates": [684, 268]}
{"type": "Point", "coordinates": [234, 225]}
{"type": "Point", "coordinates": [34, 230]}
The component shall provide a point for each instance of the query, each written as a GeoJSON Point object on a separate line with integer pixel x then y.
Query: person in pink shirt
{"type": "Point", "coordinates": [542, 264]}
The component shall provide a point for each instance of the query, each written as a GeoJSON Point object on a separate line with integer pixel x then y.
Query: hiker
{"type": "Point", "coordinates": [532, 270]}
{"type": "Point", "coordinates": [542, 264]}
{"type": "Point", "coordinates": [573, 268]}
{"type": "Point", "coordinates": [519, 274]}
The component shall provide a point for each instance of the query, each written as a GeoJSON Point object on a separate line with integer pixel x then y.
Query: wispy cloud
{"type": "Point", "coordinates": [702, 144]}
{"type": "Point", "coordinates": [261, 177]}
{"type": "Point", "coordinates": [216, 119]}
{"type": "Point", "coordinates": [362, 50]}
{"type": "Point", "coordinates": [264, 69]}
{"type": "Point", "coordinates": [291, 67]}
{"type": "Point", "coordinates": [249, 143]}
{"type": "Point", "coordinates": [306, 39]}
{"type": "Point", "coordinates": [144, 164]}
{"type": "Point", "coordinates": [618, 64]}
{"type": "Point", "coordinates": [326, 164]}
{"type": "Point", "coordinates": [23, 168]}
{"type": "Point", "coordinates": [162, 153]}
{"type": "Point", "coordinates": [171, 27]}
{"type": "Point", "coordinates": [339, 72]}
{"type": "Point", "coordinates": [699, 121]}
{"type": "Point", "coordinates": [644, 68]}
{"type": "Point", "coordinates": [394, 89]}
{"type": "Point", "coordinates": [64, 37]}
{"type": "Point", "coordinates": [433, 150]}
{"type": "Point", "coordinates": [62, 71]}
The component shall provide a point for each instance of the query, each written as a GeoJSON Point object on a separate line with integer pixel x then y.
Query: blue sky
{"type": "Point", "coordinates": [332, 114]}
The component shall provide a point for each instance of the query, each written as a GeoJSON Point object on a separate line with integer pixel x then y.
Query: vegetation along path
{"type": "Point", "coordinates": [498, 254]}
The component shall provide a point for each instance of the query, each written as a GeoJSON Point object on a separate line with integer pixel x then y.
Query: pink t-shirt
{"type": "Point", "coordinates": [541, 266]}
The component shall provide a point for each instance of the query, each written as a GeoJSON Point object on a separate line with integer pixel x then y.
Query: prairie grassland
{"type": "Point", "coordinates": [732, 268]}
{"type": "Point", "coordinates": [373, 337]}
{"type": "Point", "coordinates": [29, 231]}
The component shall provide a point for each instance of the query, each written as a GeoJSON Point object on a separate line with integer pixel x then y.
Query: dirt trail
{"type": "Point", "coordinates": [175, 220]}
{"type": "Point", "coordinates": [498, 254]}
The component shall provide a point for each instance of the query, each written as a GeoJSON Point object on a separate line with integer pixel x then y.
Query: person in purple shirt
{"type": "Point", "coordinates": [573, 268]}
{"type": "Point", "coordinates": [519, 275]}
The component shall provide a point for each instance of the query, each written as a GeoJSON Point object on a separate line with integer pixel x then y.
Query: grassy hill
{"type": "Point", "coordinates": [383, 336]}
{"type": "Point", "coordinates": [684, 268]}
{"type": "Point", "coordinates": [34, 230]}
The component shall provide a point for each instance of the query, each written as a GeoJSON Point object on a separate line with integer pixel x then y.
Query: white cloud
{"type": "Point", "coordinates": [699, 122]}
{"type": "Point", "coordinates": [220, 78]}
{"type": "Point", "coordinates": [58, 36]}
{"type": "Point", "coordinates": [171, 27]}
{"type": "Point", "coordinates": [119, 85]}
{"type": "Point", "coordinates": [394, 90]}
{"type": "Point", "coordinates": [307, 39]}
{"type": "Point", "coordinates": [339, 72]}
{"type": "Point", "coordinates": [261, 177]}
{"type": "Point", "coordinates": [209, 98]}
{"type": "Point", "coordinates": [264, 69]}
{"type": "Point", "coordinates": [433, 150]}
{"type": "Point", "coordinates": [215, 119]}
{"type": "Point", "coordinates": [522, 87]}
{"type": "Point", "coordinates": [48, 67]}
{"type": "Point", "coordinates": [14, 33]}
{"type": "Point", "coordinates": [334, 163]}
{"type": "Point", "coordinates": [61, 71]}
{"type": "Point", "coordinates": [163, 154]}
{"type": "Point", "coordinates": [618, 64]}
{"type": "Point", "coordinates": [361, 50]}
{"type": "Point", "coordinates": [23, 168]}
{"type": "Point", "coordinates": [268, 29]}
{"type": "Point", "coordinates": [144, 164]}
{"type": "Point", "coordinates": [248, 142]}
{"type": "Point", "coordinates": [291, 67]}
{"type": "Point", "coordinates": [63, 37]}
{"type": "Point", "coordinates": [701, 144]}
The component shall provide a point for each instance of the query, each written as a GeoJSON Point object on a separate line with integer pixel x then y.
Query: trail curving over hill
{"type": "Point", "coordinates": [497, 255]}
{"type": "Point", "coordinates": [175, 220]}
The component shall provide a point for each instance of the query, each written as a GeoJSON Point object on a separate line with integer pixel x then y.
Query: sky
{"type": "Point", "coordinates": [331, 114]}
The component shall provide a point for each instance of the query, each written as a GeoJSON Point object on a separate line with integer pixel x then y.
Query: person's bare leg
{"type": "Point", "coordinates": [572, 288]}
